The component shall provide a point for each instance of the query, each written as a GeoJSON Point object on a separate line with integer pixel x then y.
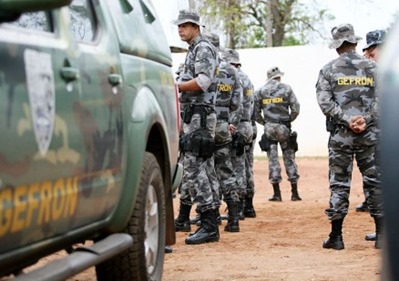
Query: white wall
{"type": "Point", "coordinates": [301, 65]}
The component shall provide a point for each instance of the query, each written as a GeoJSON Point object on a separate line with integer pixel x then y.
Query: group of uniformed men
{"type": "Point", "coordinates": [219, 108]}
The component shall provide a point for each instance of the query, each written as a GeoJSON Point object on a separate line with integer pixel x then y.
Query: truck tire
{"type": "Point", "coordinates": [144, 260]}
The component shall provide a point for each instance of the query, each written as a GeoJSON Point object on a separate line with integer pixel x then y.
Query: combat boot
{"type": "Point", "coordinates": [233, 220]}
{"type": "Point", "coordinates": [249, 210]}
{"type": "Point", "coordinates": [196, 220]}
{"type": "Point", "coordinates": [277, 194]}
{"type": "Point", "coordinates": [294, 192]}
{"type": "Point", "coordinates": [335, 240]}
{"type": "Point", "coordinates": [378, 233]}
{"type": "Point", "coordinates": [182, 222]}
{"type": "Point", "coordinates": [207, 232]}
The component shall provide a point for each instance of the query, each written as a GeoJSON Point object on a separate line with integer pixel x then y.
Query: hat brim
{"type": "Point", "coordinates": [335, 44]}
{"type": "Point", "coordinates": [375, 43]}
{"type": "Point", "coordinates": [280, 74]}
{"type": "Point", "coordinates": [179, 22]}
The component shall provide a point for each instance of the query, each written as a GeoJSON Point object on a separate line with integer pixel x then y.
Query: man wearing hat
{"type": "Point", "coordinates": [243, 137]}
{"type": "Point", "coordinates": [371, 51]}
{"type": "Point", "coordinates": [346, 94]}
{"type": "Point", "coordinates": [198, 92]}
{"type": "Point", "coordinates": [276, 107]}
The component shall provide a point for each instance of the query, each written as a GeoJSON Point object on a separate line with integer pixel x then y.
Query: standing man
{"type": "Point", "coordinates": [374, 40]}
{"type": "Point", "coordinates": [199, 117]}
{"type": "Point", "coordinates": [276, 107]}
{"type": "Point", "coordinates": [346, 93]}
{"type": "Point", "coordinates": [228, 102]}
{"type": "Point", "coordinates": [242, 138]}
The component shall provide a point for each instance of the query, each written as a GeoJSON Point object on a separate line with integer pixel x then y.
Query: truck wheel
{"type": "Point", "coordinates": [144, 260]}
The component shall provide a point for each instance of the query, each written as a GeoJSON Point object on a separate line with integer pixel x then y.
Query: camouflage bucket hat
{"type": "Point", "coordinates": [341, 33]}
{"type": "Point", "coordinates": [375, 37]}
{"type": "Point", "coordinates": [187, 16]}
{"type": "Point", "coordinates": [213, 38]}
{"type": "Point", "coordinates": [274, 72]}
{"type": "Point", "coordinates": [231, 56]}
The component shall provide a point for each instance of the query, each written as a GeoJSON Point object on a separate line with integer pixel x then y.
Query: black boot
{"type": "Point", "coordinates": [294, 192]}
{"type": "Point", "coordinates": [182, 223]}
{"type": "Point", "coordinates": [335, 238]}
{"type": "Point", "coordinates": [249, 211]}
{"type": "Point", "coordinates": [362, 207]}
{"type": "Point", "coordinates": [208, 231]}
{"type": "Point", "coordinates": [277, 194]}
{"type": "Point", "coordinates": [196, 220]}
{"type": "Point", "coordinates": [241, 206]}
{"type": "Point", "coordinates": [232, 221]}
{"type": "Point", "coordinates": [378, 233]}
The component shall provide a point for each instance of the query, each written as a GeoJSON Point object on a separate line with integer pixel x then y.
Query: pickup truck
{"type": "Point", "coordinates": [88, 139]}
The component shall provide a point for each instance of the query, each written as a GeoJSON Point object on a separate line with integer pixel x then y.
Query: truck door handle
{"type": "Point", "coordinates": [115, 79]}
{"type": "Point", "coordinates": [69, 73]}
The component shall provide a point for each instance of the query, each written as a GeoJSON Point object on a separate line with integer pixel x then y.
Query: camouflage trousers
{"type": "Point", "coordinates": [341, 166]}
{"type": "Point", "coordinates": [289, 163]}
{"type": "Point", "coordinates": [199, 184]}
{"type": "Point", "coordinates": [249, 166]}
{"type": "Point", "coordinates": [223, 163]}
{"type": "Point", "coordinates": [245, 128]}
{"type": "Point", "coordinates": [280, 134]}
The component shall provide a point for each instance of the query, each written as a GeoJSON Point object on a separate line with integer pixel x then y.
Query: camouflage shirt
{"type": "Point", "coordinates": [346, 87]}
{"type": "Point", "coordinates": [248, 97]}
{"type": "Point", "coordinates": [229, 92]}
{"type": "Point", "coordinates": [201, 58]}
{"type": "Point", "coordinates": [278, 103]}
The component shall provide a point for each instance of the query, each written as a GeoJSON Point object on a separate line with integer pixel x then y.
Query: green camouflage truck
{"type": "Point", "coordinates": [88, 139]}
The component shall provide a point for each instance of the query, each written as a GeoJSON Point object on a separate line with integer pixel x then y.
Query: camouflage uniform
{"type": "Point", "coordinates": [346, 87]}
{"type": "Point", "coordinates": [276, 107]}
{"type": "Point", "coordinates": [199, 177]}
{"type": "Point", "coordinates": [242, 138]}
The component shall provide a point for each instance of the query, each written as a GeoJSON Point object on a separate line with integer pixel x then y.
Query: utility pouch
{"type": "Point", "coordinates": [202, 144]}
{"type": "Point", "coordinates": [238, 143]}
{"type": "Point", "coordinates": [187, 114]}
{"type": "Point", "coordinates": [264, 143]}
{"type": "Point", "coordinates": [292, 143]}
{"type": "Point", "coordinates": [330, 125]}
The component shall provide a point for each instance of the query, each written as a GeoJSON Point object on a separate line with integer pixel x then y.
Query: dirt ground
{"type": "Point", "coordinates": [283, 242]}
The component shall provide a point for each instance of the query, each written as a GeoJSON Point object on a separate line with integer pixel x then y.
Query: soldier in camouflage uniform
{"type": "Point", "coordinates": [228, 101]}
{"type": "Point", "coordinates": [371, 51]}
{"type": "Point", "coordinates": [346, 93]}
{"type": "Point", "coordinates": [198, 90]}
{"type": "Point", "coordinates": [242, 138]}
{"type": "Point", "coordinates": [276, 107]}
{"type": "Point", "coordinates": [249, 210]}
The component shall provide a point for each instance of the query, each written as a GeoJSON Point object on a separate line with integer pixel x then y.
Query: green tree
{"type": "Point", "coordinates": [263, 23]}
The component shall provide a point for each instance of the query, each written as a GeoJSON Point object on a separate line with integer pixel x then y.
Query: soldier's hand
{"type": "Point", "coordinates": [232, 129]}
{"type": "Point", "coordinates": [357, 124]}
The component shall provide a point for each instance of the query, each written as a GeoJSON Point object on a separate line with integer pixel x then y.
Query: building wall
{"type": "Point", "coordinates": [301, 65]}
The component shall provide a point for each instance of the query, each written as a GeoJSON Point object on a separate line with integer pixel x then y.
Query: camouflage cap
{"type": "Point", "coordinates": [231, 56]}
{"type": "Point", "coordinates": [187, 16]}
{"type": "Point", "coordinates": [373, 38]}
{"type": "Point", "coordinates": [213, 38]}
{"type": "Point", "coordinates": [341, 33]}
{"type": "Point", "coordinates": [274, 72]}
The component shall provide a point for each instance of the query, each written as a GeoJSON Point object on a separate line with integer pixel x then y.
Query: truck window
{"type": "Point", "coordinates": [82, 21]}
{"type": "Point", "coordinates": [39, 21]}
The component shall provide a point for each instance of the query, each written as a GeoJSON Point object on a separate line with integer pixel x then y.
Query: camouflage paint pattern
{"type": "Point", "coordinates": [346, 86]}
{"type": "Point", "coordinates": [100, 114]}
